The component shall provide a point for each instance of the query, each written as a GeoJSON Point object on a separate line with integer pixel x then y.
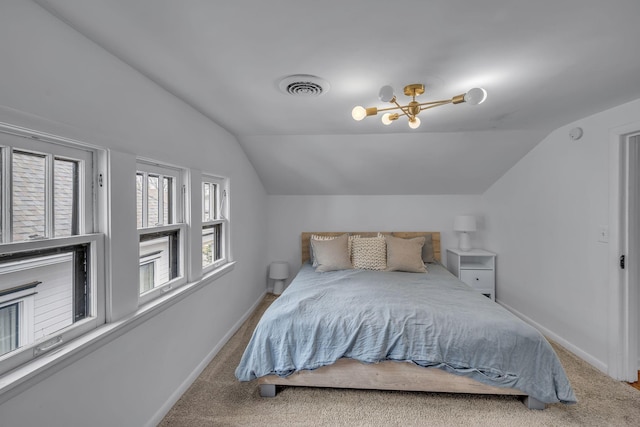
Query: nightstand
{"type": "Point", "coordinates": [476, 268]}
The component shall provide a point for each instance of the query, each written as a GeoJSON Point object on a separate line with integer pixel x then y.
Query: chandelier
{"type": "Point", "coordinates": [475, 96]}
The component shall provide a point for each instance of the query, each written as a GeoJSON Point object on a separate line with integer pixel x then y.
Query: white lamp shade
{"type": "Point", "coordinates": [475, 96]}
{"type": "Point", "coordinates": [279, 270]}
{"type": "Point", "coordinates": [464, 223]}
{"type": "Point", "coordinates": [386, 94]}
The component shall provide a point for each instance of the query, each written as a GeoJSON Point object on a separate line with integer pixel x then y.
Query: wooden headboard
{"type": "Point", "coordinates": [435, 236]}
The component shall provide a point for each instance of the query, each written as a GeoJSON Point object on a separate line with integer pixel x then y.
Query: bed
{"type": "Point", "coordinates": [397, 330]}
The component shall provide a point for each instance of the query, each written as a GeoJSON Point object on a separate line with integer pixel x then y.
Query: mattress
{"type": "Point", "coordinates": [430, 319]}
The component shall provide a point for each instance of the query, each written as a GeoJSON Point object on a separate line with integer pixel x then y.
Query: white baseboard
{"type": "Point", "coordinates": [175, 396]}
{"type": "Point", "coordinates": [595, 362]}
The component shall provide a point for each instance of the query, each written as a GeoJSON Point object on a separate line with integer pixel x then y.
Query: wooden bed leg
{"type": "Point", "coordinates": [533, 403]}
{"type": "Point", "coordinates": [268, 390]}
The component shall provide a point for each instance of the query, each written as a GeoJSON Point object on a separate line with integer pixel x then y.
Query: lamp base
{"type": "Point", "coordinates": [464, 243]}
{"type": "Point", "coordinates": [278, 287]}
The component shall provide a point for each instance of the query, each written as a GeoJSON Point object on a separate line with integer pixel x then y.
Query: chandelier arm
{"type": "Point", "coordinates": [399, 107]}
{"type": "Point", "coordinates": [389, 108]}
{"type": "Point", "coordinates": [404, 109]}
{"type": "Point", "coordinates": [405, 113]}
{"type": "Point", "coordinates": [432, 104]}
{"type": "Point", "coordinates": [423, 106]}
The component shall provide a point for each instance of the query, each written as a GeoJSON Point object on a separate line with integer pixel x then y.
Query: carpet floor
{"type": "Point", "coordinates": [216, 398]}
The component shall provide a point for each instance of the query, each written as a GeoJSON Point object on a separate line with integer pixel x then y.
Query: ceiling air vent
{"type": "Point", "coordinates": [303, 85]}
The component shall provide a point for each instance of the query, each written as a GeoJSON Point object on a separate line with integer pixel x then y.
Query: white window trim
{"type": "Point", "coordinates": [179, 215]}
{"type": "Point", "coordinates": [150, 261]}
{"type": "Point", "coordinates": [87, 220]}
{"type": "Point", "coordinates": [25, 302]}
{"type": "Point", "coordinates": [96, 317]}
{"type": "Point", "coordinates": [92, 209]}
{"type": "Point", "coordinates": [223, 239]}
{"type": "Point", "coordinates": [223, 210]}
{"type": "Point", "coordinates": [181, 279]}
{"type": "Point", "coordinates": [178, 174]}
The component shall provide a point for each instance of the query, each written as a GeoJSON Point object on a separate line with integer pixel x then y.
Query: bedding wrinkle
{"type": "Point", "coordinates": [431, 319]}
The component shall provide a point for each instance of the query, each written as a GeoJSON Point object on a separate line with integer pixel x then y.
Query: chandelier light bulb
{"type": "Point", "coordinates": [358, 113]}
{"type": "Point", "coordinates": [386, 94]}
{"type": "Point", "coordinates": [386, 120]}
{"type": "Point", "coordinates": [475, 96]}
{"type": "Point", "coordinates": [414, 123]}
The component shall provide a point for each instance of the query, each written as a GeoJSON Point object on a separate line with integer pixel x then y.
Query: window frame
{"type": "Point", "coordinates": [24, 301]}
{"type": "Point", "coordinates": [89, 216]}
{"type": "Point", "coordinates": [146, 263]}
{"type": "Point", "coordinates": [222, 219]}
{"type": "Point", "coordinates": [177, 215]}
{"type": "Point", "coordinates": [95, 305]}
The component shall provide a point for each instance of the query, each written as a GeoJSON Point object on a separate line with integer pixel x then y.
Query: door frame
{"type": "Point", "coordinates": [623, 322]}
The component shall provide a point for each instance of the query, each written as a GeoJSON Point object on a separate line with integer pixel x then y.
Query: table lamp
{"type": "Point", "coordinates": [464, 224]}
{"type": "Point", "coordinates": [278, 271]}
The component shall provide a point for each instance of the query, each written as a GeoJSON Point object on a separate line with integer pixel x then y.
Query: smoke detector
{"type": "Point", "coordinates": [303, 85]}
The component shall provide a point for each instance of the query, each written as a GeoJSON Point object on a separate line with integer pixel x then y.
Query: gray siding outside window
{"type": "Point", "coordinates": [29, 197]}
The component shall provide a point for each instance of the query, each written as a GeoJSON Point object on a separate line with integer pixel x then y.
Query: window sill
{"type": "Point", "coordinates": [20, 379]}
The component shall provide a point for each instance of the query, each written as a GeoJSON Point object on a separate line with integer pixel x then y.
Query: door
{"type": "Point", "coordinates": [624, 253]}
{"type": "Point", "coordinates": [632, 261]}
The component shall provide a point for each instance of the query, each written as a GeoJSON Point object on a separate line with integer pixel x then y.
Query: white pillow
{"type": "Point", "coordinates": [369, 253]}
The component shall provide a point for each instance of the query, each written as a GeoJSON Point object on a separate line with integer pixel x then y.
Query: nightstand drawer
{"type": "Point", "coordinates": [478, 279]}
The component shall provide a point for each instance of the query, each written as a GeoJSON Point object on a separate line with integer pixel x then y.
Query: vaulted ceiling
{"type": "Point", "coordinates": [543, 63]}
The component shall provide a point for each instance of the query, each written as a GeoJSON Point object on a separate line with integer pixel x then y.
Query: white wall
{"type": "Point", "coordinates": [291, 215]}
{"type": "Point", "coordinates": [543, 220]}
{"type": "Point", "coordinates": [55, 80]}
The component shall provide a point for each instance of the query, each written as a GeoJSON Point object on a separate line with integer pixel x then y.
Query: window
{"type": "Point", "coordinates": [147, 276]}
{"type": "Point", "coordinates": [161, 228]}
{"type": "Point", "coordinates": [36, 213]}
{"type": "Point", "coordinates": [17, 318]}
{"type": "Point", "coordinates": [9, 332]}
{"type": "Point", "coordinates": [214, 222]}
{"type": "Point", "coordinates": [50, 290]}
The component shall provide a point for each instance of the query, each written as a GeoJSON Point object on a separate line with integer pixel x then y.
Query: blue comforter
{"type": "Point", "coordinates": [432, 319]}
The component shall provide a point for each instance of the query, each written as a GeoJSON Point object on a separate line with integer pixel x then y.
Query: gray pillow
{"type": "Point", "coordinates": [314, 262]}
{"type": "Point", "coordinates": [427, 250]}
{"type": "Point", "coordinates": [405, 254]}
{"type": "Point", "coordinates": [332, 254]}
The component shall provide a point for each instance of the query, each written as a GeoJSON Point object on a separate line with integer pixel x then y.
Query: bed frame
{"type": "Point", "coordinates": [386, 375]}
